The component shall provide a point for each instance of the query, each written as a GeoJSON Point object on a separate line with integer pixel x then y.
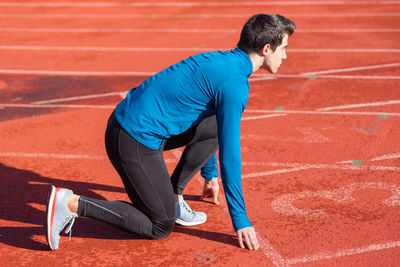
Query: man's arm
{"type": "Point", "coordinates": [230, 102]}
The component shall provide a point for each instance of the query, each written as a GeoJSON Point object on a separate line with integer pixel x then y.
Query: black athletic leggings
{"type": "Point", "coordinates": [147, 182]}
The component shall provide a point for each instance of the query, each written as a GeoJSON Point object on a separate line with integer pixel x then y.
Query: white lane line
{"type": "Point", "coordinates": [256, 77]}
{"type": "Point", "coordinates": [262, 117]}
{"type": "Point", "coordinates": [121, 30]}
{"type": "Point", "coordinates": [308, 135]}
{"type": "Point", "coordinates": [352, 69]}
{"type": "Point", "coordinates": [345, 77]}
{"type": "Point", "coordinates": [345, 161]}
{"type": "Point", "coordinates": [280, 171]}
{"type": "Point", "coordinates": [4, 105]}
{"type": "Point", "coordinates": [361, 105]}
{"type": "Point", "coordinates": [270, 252]}
{"type": "Point", "coordinates": [60, 156]}
{"type": "Point", "coordinates": [192, 4]}
{"type": "Point", "coordinates": [293, 166]}
{"type": "Point", "coordinates": [261, 78]}
{"type": "Point", "coordinates": [56, 106]}
{"type": "Point", "coordinates": [175, 30]}
{"type": "Point", "coordinates": [344, 50]}
{"type": "Point", "coordinates": [77, 73]}
{"type": "Point", "coordinates": [103, 49]}
{"type": "Point", "coordinates": [49, 155]}
{"type": "Point", "coordinates": [322, 166]}
{"type": "Point", "coordinates": [323, 112]}
{"type": "Point", "coordinates": [66, 99]}
{"type": "Point", "coordinates": [344, 252]}
{"type": "Point", "coordinates": [186, 49]}
{"type": "Point", "coordinates": [203, 16]}
{"type": "Point", "coordinates": [346, 30]}
{"type": "Point", "coordinates": [388, 156]}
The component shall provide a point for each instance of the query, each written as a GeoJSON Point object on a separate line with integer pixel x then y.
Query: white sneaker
{"type": "Point", "coordinates": [186, 216]}
{"type": "Point", "coordinates": [58, 215]}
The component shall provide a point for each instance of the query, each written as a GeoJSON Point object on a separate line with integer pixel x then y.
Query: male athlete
{"type": "Point", "coordinates": [197, 104]}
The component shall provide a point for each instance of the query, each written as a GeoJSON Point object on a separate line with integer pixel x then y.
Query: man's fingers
{"type": "Point", "coordinates": [254, 240]}
{"type": "Point", "coordinates": [205, 192]}
{"type": "Point", "coordinates": [240, 240]}
{"type": "Point", "coordinates": [249, 238]}
{"type": "Point", "coordinates": [248, 242]}
{"type": "Point", "coordinates": [215, 199]}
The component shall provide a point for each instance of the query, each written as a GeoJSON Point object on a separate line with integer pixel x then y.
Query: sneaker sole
{"type": "Point", "coordinates": [185, 223]}
{"type": "Point", "coordinates": [50, 214]}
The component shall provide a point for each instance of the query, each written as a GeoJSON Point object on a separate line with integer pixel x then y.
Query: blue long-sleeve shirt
{"type": "Point", "coordinates": [209, 170]}
{"type": "Point", "coordinates": [181, 96]}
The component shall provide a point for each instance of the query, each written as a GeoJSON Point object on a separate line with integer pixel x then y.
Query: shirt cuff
{"type": "Point", "coordinates": [241, 222]}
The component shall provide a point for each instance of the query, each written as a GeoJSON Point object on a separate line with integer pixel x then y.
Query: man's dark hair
{"type": "Point", "coordinates": [262, 29]}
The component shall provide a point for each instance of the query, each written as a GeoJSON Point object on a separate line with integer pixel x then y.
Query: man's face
{"type": "Point", "coordinates": [273, 59]}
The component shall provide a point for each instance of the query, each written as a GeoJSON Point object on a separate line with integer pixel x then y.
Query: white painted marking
{"type": "Point", "coordinates": [262, 117]}
{"type": "Point", "coordinates": [351, 77]}
{"type": "Point", "coordinates": [352, 69]}
{"type": "Point", "coordinates": [262, 78]}
{"type": "Point", "coordinates": [119, 30]}
{"type": "Point", "coordinates": [177, 153]}
{"type": "Point", "coordinates": [388, 156]}
{"type": "Point", "coordinates": [66, 99]}
{"type": "Point", "coordinates": [202, 16]}
{"type": "Point", "coordinates": [103, 49]}
{"type": "Point", "coordinates": [322, 166]}
{"type": "Point", "coordinates": [346, 30]}
{"type": "Point", "coordinates": [123, 94]}
{"type": "Point", "coordinates": [309, 135]}
{"type": "Point", "coordinates": [374, 104]}
{"type": "Point", "coordinates": [280, 171]}
{"type": "Point", "coordinates": [270, 252]}
{"type": "Point", "coordinates": [176, 30]}
{"type": "Point", "coordinates": [191, 4]}
{"type": "Point", "coordinates": [49, 155]}
{"type": "Point", "coordinates": [342, 253]}
{"type": "Point", "coordinates": [343, 50]}
{"type": "Point", "coordinates": [5, 105]}
{"type": "Point", "coordinates": [56, 106]}
{"type": "Point", "coordinates": [78, 73]}
{"type": "Point", "coordinates": [284, 204]}
{"type": "Point", "coordinates": [60, 156]}
{"type": "Point", "coordinates": [275, 164]}
{"type": "Point", "coordinates": [340, 15]}
{"type": "Point", "coordinates": [345, 162]}
{"type": "Point", "coordinates": [360, 113]}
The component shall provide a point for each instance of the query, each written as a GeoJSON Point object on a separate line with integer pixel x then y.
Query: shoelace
{"type": "Point", "coordinates": [186, 206]}
{"type": "Point", "coordinates": [70, 221]}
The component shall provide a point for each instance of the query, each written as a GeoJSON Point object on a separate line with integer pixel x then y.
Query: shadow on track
{"type": "Point", "coordinates": [23, 202]}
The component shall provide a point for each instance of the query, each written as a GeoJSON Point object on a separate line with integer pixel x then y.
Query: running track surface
{"type": "Point", "coordinates": [320, 145]}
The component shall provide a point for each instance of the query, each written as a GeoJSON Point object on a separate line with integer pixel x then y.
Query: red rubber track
{"type": "Point", "coordinates": [321, 152]}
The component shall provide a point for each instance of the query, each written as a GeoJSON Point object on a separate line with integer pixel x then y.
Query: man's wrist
{"type": "Point", "coordinates": [214, 179]}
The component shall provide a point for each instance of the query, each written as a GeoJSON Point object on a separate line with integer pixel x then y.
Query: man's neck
{"type": "Point", "coordinates": [256, 60]}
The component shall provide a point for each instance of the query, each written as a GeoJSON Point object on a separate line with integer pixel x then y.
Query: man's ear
{"type": "Point", "coordinates": [265, 50]}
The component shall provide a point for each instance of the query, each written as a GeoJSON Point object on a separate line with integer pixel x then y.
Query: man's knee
{"type": "Point", "coordinates": [163, 228]}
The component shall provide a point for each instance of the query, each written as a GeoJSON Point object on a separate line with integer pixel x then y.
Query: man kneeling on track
{"type": "Point", "coordinates": [197, 104]}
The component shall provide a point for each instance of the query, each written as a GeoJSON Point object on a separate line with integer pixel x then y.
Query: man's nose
{"type": "Point", "coordinates": [284, 56]}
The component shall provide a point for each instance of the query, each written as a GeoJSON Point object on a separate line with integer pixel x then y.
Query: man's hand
{"type": "Point", "coordinates": [248, 236]}
{"type": "Point", "coordinates": [210, 189]}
